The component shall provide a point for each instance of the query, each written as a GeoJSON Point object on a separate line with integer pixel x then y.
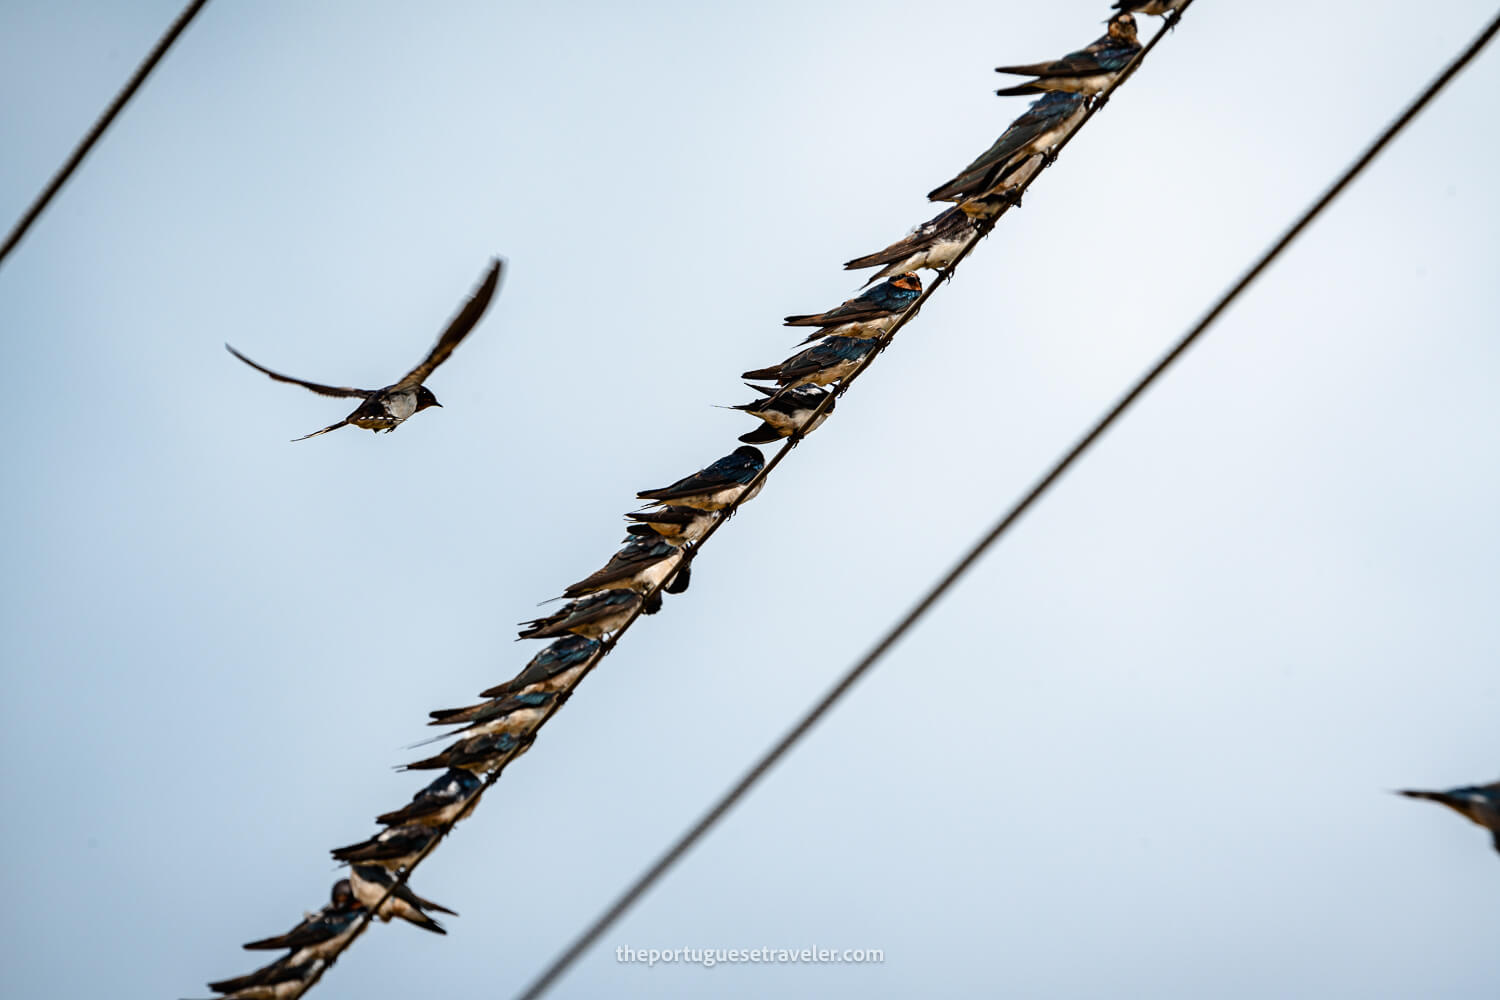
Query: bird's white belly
{"type": "Point", "coordinates": [942, 254]}
{"type": "Point", "coordinates": [831, 374]}
{"type": "Point", "coordinates": [442, 815]}
{"type": "Point", "coordinates": [656, 572]}
{"type": "Point", "coordinates": [517, 723]}
{"type": "Point", "coordinates": [783, 423]}
{"type": "Point", "coordinates": [322, 949]}
{"type": "Point", "coordinates": [1020, 175]}
{"type": "Point", "coordinates": [401, 405]}
{"type": "Point", "coordinates": [690, 532]}
{"type": "Point", "coordinates": [558, 682]}
{"type": "Point", "coordinates": [715, 499]}
{"type": "Point", "coordinates": [603, 625]}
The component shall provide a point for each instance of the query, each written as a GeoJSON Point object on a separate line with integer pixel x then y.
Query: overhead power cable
{"type": "Point", "coordinates": [613, 639]}
{"type": "Point", "coordinates": [13, 238]}
{"type": "Point", "coordinates": [626, 899]}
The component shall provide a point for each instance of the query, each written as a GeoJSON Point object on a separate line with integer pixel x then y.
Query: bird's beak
{"type": "Point", "coordinates": [437, 404]}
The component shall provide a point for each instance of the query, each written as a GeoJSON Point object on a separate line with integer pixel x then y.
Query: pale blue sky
{"type": "Point", "coordinates": [1144, 751]}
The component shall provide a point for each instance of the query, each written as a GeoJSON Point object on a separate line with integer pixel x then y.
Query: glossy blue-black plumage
{"type": "Point", "coordinates": [879, 302]}
{"type": "Point", "coordinates": [735, 469]}
{"type": "Point", "coordinates": [785, 411]}
{"type": "Point", "coordinates": [827, 360]}
{"type": "Point", "coordinates": [630, 567]}
{"type": "Point", "coordinates": [567, 653]}
{"type": "Point", "coordinates": [479, 753]}
{"type": "Point", "coordinates": [448, 790]}
{"type": "Point", "coordinates": [592, 615]}
{"type": "Point", "coordinates": [390, 847]}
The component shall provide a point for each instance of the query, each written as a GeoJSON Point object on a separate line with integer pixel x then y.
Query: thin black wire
{"type": "Point", "coordinates": [792, 441]}
{"type": "Point", "coordinates": [778, 750]}
{"type": "Point", "coordinates": [87, 143]}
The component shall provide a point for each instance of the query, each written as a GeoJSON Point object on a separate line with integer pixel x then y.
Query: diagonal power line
{"type": "Point", "coordinates": [791, 442]}
{"type": "Point", "coordinates": [625, 900]}
{"type": "Point", "coordinates": [18, 232]}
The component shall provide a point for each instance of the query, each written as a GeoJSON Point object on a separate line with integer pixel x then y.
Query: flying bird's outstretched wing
{"type": "Point", "coordinates": [458, 329]}
{"type": "Point", "coordinates": [322, 390]}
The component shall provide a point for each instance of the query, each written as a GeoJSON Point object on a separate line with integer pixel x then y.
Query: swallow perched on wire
{"type": "Point", "coordinates": [871, 312]}
{"type": "Point", "coordinates": [394, 847]}
{"type": "Point", "coordinates": [640, 566]}
{"type": "Point", "coordinates": [1087, 71]}
{"type": "Point", "coordinates": [1157, 8]}
{"type": "Point", "coordinates": [785, 411]}
{"type": "Point", "coordinates": [716, 485]}
{"type": "Point", "coordinates": [934, 244]}
{"type": "Point", "coordinates": [1480, 803]}
{"type": "Point", "coordinates": [438, 803]}
{"type": "Point", "coordinates": [370, 884]}
{"type": "Point", "coordinates": [826, 361]}
{"type": "Point", "coordinates": [480, 754]}
{"type": "Point", "coordinates": [591, 616]}
{"type": "Point", "coordinates": [1005, 192]}
{"type": "Point", "coordinates": [555, 668]}
{"type": "Point", "coordinates": [1043, 126]}
{"type": "Point", "coordinates": [384, 409]}
{"type": "Point", "coordinates": [678, 525]}
{"type": "Point", "coordinates": [516, 714]}
{"type": "Point", "coordinates": [319, 934]}
{"type": "Point", "coordinates": [281, 979]}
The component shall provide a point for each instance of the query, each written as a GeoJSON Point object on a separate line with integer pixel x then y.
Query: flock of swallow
{"type": "Point", "coordinates": [658, 549]}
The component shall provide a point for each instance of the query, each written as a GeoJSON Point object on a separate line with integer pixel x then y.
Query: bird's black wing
{"type": "Point", "coordinates": [764, 434]}
{"type": "Point", "coordinates": [322, 390]}
{"type": "Point", "coordinates": [977, 175]}
{"type": "Point", "coordinates": [458, 329]}
{"type": "Point", "coordinates": [309, 932]}
{"type": "Point", "coordinates": [1081, 63]}
{"type": "Point", "coordinates": [404, 893]}
{"type": "Point", "coordinates": [856, 310]}
{"type": "Point", "coordinates": [1077, 64]}
{"type": "Point", "coordinates": [411, 811]}
{"type": "Point", "coordinates": [949, 223]}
